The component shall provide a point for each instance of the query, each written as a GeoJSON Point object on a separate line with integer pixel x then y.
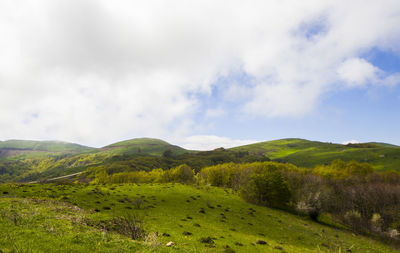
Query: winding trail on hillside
{"type": "Point", "coordinates": [56, 178]}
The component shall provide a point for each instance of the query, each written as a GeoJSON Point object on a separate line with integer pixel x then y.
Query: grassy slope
{"type": "Point", "coordinates": [26, 148]}
{"type": "Point", "coordinates": [30, 225]}
{"type": "Point", "coordinates": [311, 153]}
{"type": "Point", "coordinates": [172, 209]}
{"type": "Point", "coordinates": [144, 145]}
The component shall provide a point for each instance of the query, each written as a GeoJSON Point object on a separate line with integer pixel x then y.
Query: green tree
{"type": "Point", "coordinates": [268, 188]}
{"type": "Point", "coordinates": [183, 174]}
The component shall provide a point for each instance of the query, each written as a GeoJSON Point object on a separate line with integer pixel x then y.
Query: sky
{"type": "Point", "coordinates": [200, 74]}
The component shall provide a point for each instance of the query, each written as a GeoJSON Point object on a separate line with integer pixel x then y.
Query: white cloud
{"type": "Point", "coordinates": [99, 71]}
{"type": "Point", "coordinates": [210, 142]}
{"type": "Point", "coordinates": [350, 142]}
{"type": "Point", "coordinates": [390, 80]}
{"type": "Point", "coordinates": [357, 72]}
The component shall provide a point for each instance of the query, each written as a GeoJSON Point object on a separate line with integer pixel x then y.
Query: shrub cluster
{"type": "Point", "coordinates": [182, 174]}
{"type": "Point", "coordinates": [368, 202]}
{"type": "Point", "coordinates": [260, 182]}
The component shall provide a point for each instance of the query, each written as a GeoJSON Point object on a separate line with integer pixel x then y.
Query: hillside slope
{"type": "Point", "coordinates": [312, 153]}
{"type": "Point", "coordinates": [31, 148]}
{"type": "Point", "coordinates": [196, 219]}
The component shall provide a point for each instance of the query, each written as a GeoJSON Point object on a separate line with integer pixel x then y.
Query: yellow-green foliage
{"type": "Point", "coordinates": [232, 175]}
{"type": "Point", "coordinates": [155, 175]}
{"type": "Point", "coordinates": [101, 177]}
{"type": "Point", "coordinates": [183, 174]}
{"type": "Point", "coordinates": [339, 169]}
{"type": "Point", "coordinates": [259, 182]}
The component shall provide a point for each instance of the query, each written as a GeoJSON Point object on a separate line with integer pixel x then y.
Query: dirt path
{"type": "Point", "coordinates": [56, 178]}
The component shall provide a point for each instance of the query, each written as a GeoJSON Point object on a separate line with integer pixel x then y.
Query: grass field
{"type": "Point", "coordinates": [68, 218]}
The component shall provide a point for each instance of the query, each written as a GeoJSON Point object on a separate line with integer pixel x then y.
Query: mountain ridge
{"type": "Point", "coordinates": [39, 159]}
{"type": "Point", "coordinates": [40, 145]}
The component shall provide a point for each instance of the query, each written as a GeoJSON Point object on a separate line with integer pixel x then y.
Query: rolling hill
{"type": "Point", "coordinates": [147, 146]}
{"type": "Point", "coordinates": [140, 146]}
{"type": "Point", "coordinates": [38, 148]}
{"type": "Point", "coordinates": [307, 153]}
{"type": "Point", "coordinates": [34, 160]}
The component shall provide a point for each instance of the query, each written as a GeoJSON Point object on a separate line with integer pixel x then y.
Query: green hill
{"type": "Point", "coordinates": [147, 146]}
{"type": "Point", "coordinates": [311, 153]}
{"type": "Point", "coordinates": [33, 160]}
{"type": "Point", "coordinates": [92, 218]}
{"type": "Point", "coordinates": [32, 148]}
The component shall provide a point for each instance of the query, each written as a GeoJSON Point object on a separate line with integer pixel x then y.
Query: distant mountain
{"type": "Point", "coordinates": [148, 146]}
{"type": "Point", "coordinates": [28, 147]}
{"type": "Point", "coordinates": [307, 153]}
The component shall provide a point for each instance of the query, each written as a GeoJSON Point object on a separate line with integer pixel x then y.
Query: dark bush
{"type": "Point", "coordinates": [261, 242]}
{"type": "Point", "coordinates": [207, 240]}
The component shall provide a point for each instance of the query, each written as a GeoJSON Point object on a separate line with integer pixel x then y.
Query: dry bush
{"type": "Point", "coordinates": [130, 225]}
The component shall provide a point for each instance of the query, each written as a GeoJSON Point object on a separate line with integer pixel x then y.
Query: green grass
{"type": "Point", "coordinates": [31, 225]}
{"type": "Point", "coordinates": [167, 209]}
{"type": "Point", "coordinates": [306, 153]}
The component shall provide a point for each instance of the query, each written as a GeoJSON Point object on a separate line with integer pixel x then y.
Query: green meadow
{"type": "Point", "coordinates": [79, 218]}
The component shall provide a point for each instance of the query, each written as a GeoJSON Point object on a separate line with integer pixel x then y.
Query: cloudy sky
{"type": "Point", "coordinates": [201, 74]}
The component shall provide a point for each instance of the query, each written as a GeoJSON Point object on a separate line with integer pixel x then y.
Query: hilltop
{"type": "Point", "coordinates": [32, 148]}
{"type": "Point", "coordinates": [148, 146]}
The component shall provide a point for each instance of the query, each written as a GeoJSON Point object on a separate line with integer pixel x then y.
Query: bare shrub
{"type": "Point", "coordinates": [130, 225]}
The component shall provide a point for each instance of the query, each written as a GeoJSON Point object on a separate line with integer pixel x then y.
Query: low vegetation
{"type": "Point", "coordinates": [73, 218]}
{"type": "Point", "coordinates": [350, 193]}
